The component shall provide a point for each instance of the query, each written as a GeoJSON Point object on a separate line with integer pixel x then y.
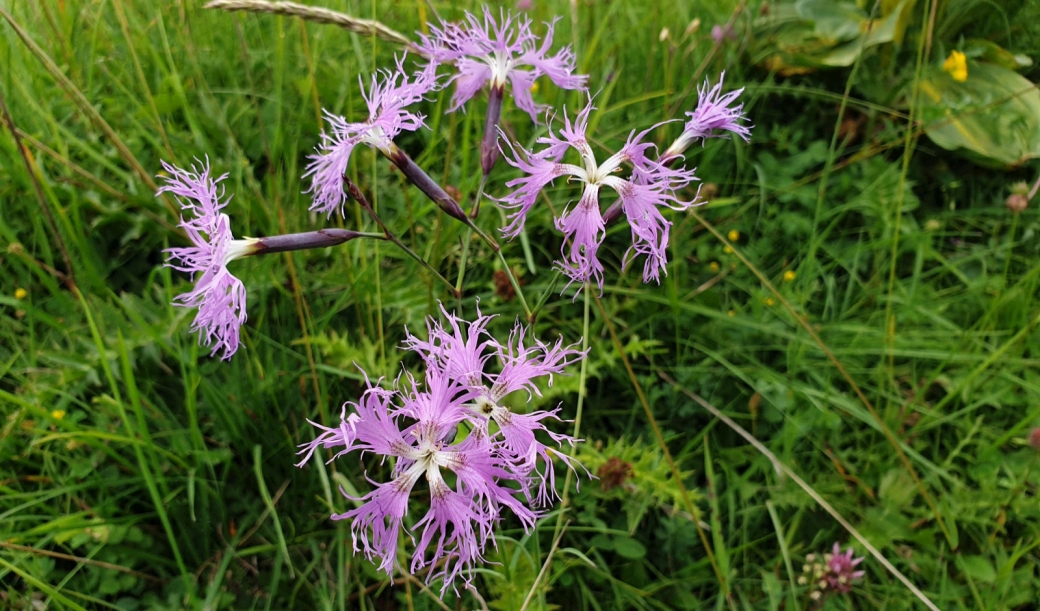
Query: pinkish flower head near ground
{"type": "Point", "coordinates": [219, 296]}
{"type": "Point", "coordinates": [649, 187]}
{"type": "Point", "coordinates": [833, 573]}
{"type": "Point", "coordinates": [499, 52]}
{"type": "Point", "coordinates": [497, 465]}
{"type": "Point", "coordinates": [389, 95]}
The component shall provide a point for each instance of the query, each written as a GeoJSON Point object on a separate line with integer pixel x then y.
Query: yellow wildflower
{"type": "Point", "coordinates": [957, 65]}
{"type": "Point", "coordinates": [731, 313]}
{"type": "Point", "coordinates": [789, 275]}
{"type": "Point", "coordinates": [58, 414]}
{"type": "Point", "coordinates": [714, 267]}
{"type": "Point", "coordinates": [769, 301]}
{"type": "Point", "coordinates": [20, 294]}
{"type": "Point", "coordinates": [728, 250]}
{"type": "Point", "coordinates": [734, 235]}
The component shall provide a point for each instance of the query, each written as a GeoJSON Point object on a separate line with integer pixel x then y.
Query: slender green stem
{"type": "Point", "coordinates": [582, 376]}
{"type": "Point", "coordinates": [1010, 249]}
{"type": "Point", "coordinates": [462, 262]}
{"type": "Point", "coordinates": [659, 436]}
{"type": "Point", "coordinates": [516, 287]}
{"type": "Point", "coordinates": [355, 192]}
{"type": "Point", "coordinates": [469, 236]}
{"type": "Point", "coordinates": [475, 210]}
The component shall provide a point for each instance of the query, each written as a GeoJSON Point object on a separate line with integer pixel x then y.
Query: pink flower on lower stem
{"type": "Point", "coordinates": [834, 574]}
{"type": "Point", "coordinates": [841, 569]}
{"type": "Point", "coordinates": [417, 427]}
{"type": "Point", "coordinates": [650, 187]}
{"type": "Point", "coordinates": [388, 98]}
{"type": "Point", "coordinates": [219, 296]}
{"type": "Point", "coordinates": [500, 52]}
{"type": "Point", "coordinates": [461, 351]}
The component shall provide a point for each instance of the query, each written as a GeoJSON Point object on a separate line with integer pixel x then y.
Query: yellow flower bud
{"type": "Point", "coordinates": [734, 235]}
{"type": "Point", "coordinates": [20, 294]}
{"type": "Point", "coordinates": [789, 276]}
{"type": "Point", "coordinates": [957, 65]}
{"type": "Point", "coordinates": [714, 267]}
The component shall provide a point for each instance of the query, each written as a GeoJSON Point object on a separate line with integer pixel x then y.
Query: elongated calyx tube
{"type": "Point", "coordinates": [427, 185]}
{"type": "Point", "coordinates": [489, 150]}
{"type": "Point", "coordinates": [303, 241]}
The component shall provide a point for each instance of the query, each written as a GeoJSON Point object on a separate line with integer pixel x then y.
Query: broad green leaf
{"type": "Point", "coordinates": [978, 568]}
{"type": "Point", "coordinates": [992, 117]}
{"type": "Point", "coordinates": [812, 34]}
{"type": "Point", "coordinates": [628, 547]}
{"type": "Point", "coordinates": [991, 52]}
{"type": "Point", "coordinates": [897, 488]}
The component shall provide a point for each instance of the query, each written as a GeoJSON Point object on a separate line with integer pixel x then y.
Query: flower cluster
{"type": "Point", "coordinates": [650, 186]}
{"type": "Point", "coordinates": [456, 422]}
{"type": "Point", "coordinates": [499, 52]}
{"type": "Point", "coordinates": [835, 574]}
{"type": "Point", "coordinates": [219, 296]}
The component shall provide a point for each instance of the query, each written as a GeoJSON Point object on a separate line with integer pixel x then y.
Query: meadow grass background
{"type": "Point", "coordinates": [136, 472]}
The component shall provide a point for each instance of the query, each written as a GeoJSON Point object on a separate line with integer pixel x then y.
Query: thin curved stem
{"type": "Point", "coordinates": [676, 475]}
{"type": "Point", "coordinates": [355, 192]}
{"type": "Point", "coordinates": [582, 377]}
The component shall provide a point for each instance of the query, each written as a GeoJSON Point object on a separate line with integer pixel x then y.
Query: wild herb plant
{"type": "Point", "coordinates": [496, 461]}
{"type": "Point", "coordinates": [841, 346]}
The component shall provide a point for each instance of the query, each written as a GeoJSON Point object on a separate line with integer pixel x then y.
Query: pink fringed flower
{"type": "Point", "coordinates": [486, 51]}
{"type": "Point", "coordinates": [650, 187]}
{"type": "Point", "coordinates": [715, 114]}
{"type": "Point", "coordinates": [219, 296]}
{"type": "Point", "coordinates": [388, 98]}
{"type": "Point", "coordinates": [418, 427]}
{"type": "Point", "coordinates": [461, 351]}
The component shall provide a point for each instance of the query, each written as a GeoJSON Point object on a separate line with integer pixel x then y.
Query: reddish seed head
{"type": "Point", "coordinates": [1034, 438]}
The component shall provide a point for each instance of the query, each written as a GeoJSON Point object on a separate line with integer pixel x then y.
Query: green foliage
{"type": "Point", "coordinates": [993, 116]}
{"type": "Point", "coordinates": [636, 476]}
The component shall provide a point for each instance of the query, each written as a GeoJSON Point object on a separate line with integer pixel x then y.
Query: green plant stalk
{"type": "Point", "coordinates": [269, 505]}
{"type": "Point", "coordinates": [355, 192]}
{"type": "Point", "coordinates": [582, 378]}
{"type": "Point", "coordinates": [142, 462]}
{"type": "Point", "coordinates": [676, 475]}
{"type": "Point", "coordinates": [449, 206]}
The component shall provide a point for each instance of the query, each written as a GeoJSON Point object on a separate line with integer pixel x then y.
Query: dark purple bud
{"type": "Point", "coordinates": [489, 150]}
{"type": "Point", "coordinates": [421, 179]}
{"type": "Point", "coordinates": [613, 213]}
{"type": "Point", "coordinates": [303, 241]}
{"type": "Point", "coordinates": [355, 193]}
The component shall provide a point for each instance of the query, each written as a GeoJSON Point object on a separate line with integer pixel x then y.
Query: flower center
{"type": "Point", "coordinates": [375, 136]}
{"type": "Point", "coordinates": [500, 63]}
